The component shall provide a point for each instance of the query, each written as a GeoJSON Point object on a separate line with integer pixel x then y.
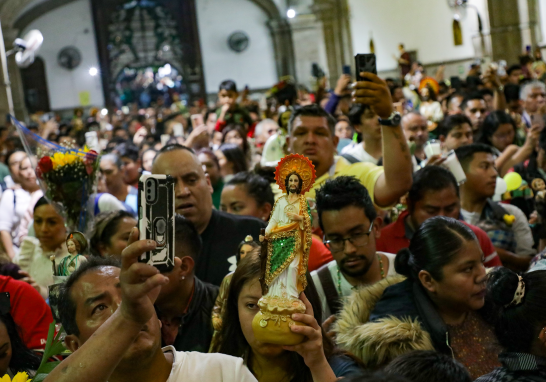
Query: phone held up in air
{"type": "Point", "coordinates": [365, 63]}
{"type": "Point", "coordinates": [156, 219]}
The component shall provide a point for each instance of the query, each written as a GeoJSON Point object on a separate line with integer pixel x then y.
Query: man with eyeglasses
{"type": "Point", "coordinates": [350, 224]}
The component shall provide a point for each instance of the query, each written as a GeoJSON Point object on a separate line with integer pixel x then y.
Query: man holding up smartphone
{"type": "Point", "coordinates": [113, 331]}
{"type": "Point", "coordinates": [311, 132]}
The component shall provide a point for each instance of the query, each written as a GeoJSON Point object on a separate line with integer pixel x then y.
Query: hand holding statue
{"type": "Point", "coordinates": [295, 217]}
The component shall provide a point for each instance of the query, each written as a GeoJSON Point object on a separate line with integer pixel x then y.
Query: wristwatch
{"type": "Point", "coordinates": [393, 120]}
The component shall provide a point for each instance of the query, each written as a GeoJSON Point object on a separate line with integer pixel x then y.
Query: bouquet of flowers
{"type": "Point", "coordinates": [67, 175]}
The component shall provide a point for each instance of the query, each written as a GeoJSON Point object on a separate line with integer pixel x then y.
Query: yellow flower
{"type": "Point", "coordinates": [20, 377]}
{"type": "Point", "coordinates": [58, 159]}
{"type": "Point", "coordinates": [70, 158]}
{"type": "Point", "coordinates": [509, 219]}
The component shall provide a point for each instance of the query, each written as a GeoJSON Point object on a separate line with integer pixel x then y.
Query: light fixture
{"type": "Point", "coordinates": [93, 71]}
{"type": "Point", "coordinates": [290, 13]}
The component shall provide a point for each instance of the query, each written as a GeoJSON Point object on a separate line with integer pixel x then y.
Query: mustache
{"type": "Point", "coordinates": [352, 258]}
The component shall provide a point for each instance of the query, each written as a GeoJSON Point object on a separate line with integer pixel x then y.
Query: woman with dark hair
{"type": "Point", "coordinates": [313, 360]}
{"type": "Point", "coordinates": [232, 160]}
{"type": "Point", "coordinates": [212, 168]}
{"type": "Point", "coordinates": [519, 316]}
{"type": "Point", "coordinates": [147, 158]}
{"type": "Point", "coordinates": [247, 247]}
{"type": "Point", "coordinates": [35, 255]}
{"type": "Point", "coordinates": [111, 233]}
{"type": "Point", "coordinates": [499, 130]}
{"type": "Point", "coordinates": [15, 357]}
{"type": "Point", "coordinates": [248, 194]}
{"type": "Point", "coordinates": [236, 135]}
{"type": "Point", "coordinates": [435, 308]}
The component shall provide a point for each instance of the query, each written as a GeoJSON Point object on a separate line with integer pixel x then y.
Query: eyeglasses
{"type": "Point", "coordinates": [357, 239]}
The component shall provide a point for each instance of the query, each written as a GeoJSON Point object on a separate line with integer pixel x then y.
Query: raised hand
{"type": "Point", "coordinates": [375, 93]}
{"type": "Point", "coordinates": [140, 283]}
{"type": "Point", "coordinates": [311, 349]}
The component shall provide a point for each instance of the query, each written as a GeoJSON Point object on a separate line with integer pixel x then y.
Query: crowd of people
{"type": "Point", "coordinates": [424, 265]}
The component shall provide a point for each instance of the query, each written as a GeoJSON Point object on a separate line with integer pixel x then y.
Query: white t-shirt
{"type": "Point", "coordinates": [346, 287]}
{"type": "Point", "coordinates": [12, 211]}
{"type": "Point", "coordinates": [359, 153]}
{"type": "Point", "coordinates": [201, 367]}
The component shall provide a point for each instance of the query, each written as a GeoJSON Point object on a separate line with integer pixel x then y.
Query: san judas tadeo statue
{"type": "Point", "coordinates": [285, 253]}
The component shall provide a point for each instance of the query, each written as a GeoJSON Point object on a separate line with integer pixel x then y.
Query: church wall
{"type": "Point", "coordinates": [255, 66]}
{"type": "Point", "coordinates": [422, 25]}
{"type": "Point", "coordinates": [70, 24]}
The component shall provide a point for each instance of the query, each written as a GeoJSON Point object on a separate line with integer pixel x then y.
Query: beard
{"type": "Point", "coordinates": [294, 190]}
{"type": "Point", "coordinates": [355, 272]}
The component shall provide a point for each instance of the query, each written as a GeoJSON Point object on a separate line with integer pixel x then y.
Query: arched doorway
{"type": "Point", "coordinates": [35, 87]}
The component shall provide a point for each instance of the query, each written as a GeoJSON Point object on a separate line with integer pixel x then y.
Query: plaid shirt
{"type": "Point", "coordinates": [517, 367]}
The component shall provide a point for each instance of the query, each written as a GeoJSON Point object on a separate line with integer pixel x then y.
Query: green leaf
{"type": "Point", "coordinates": [50, 335]}
{"type": "Point", "coordinates": [47, 368]}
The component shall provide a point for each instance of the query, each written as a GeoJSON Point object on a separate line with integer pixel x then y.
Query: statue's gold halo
{"type": "Point", "coordinates": [299, 164]}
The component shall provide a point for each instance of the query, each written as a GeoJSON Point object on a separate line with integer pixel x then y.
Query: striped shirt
{"type": "Point", "coordinates": [517, 367]}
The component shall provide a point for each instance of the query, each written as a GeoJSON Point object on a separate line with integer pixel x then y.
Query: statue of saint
{"type": "Point", "coordinates": [76, 245]}
{"type": "Point", "coordinates": [284, 260]}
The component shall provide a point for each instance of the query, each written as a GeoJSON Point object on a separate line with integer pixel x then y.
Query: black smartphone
{"type": "Point", "coordinates": [156, 219]}
{"type": "Point", "coordinates": [347, 69]}
{"type": "Point", "coordinates": [365, 63]}
{"type": "Point", "coordinates": [456, 83]}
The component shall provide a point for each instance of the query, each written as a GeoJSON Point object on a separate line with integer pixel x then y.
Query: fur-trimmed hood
{"type": "Point", "coordinates": [379, 341]}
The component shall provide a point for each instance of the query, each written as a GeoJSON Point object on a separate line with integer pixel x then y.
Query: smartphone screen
{"type": "Point", "coordinates": [365, 63]}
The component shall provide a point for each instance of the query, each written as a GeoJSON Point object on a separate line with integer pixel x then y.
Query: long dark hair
{"type": "Point", "coordinates": [491, 124]}
{"type": "Point", "coordinates": [22, 359]}
{"type": "Point", "coordinates": [432, 247]}
{"type": "Point", "coordinates": [232, 339]}
{"type": "Point", "coordinates": [517, 325]}
{"type": "Point", "coordinates": [241, 131]}
{"type": "Point", "coordinates": [235, 155]}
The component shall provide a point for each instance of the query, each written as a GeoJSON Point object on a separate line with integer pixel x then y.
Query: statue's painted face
{"type": "Point", "coordinates": [294, 184]}
{"type": "Point", "coordinates": [71, 246]}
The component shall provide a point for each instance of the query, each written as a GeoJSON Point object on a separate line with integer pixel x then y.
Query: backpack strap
{"type": "Point", "coordinates": [332, 297]}
{"type": "Point", "coordinates": [96, 210]}
{"type": "Point", "coordinates": [349, 158]}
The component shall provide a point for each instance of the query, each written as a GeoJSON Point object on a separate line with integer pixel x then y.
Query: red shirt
{"type": "Point", "coordinates": [29, 311]}
{"type": "Point", "coordinates": [318, 255]}
{"type": "Point", "coordinates": [393, 238]}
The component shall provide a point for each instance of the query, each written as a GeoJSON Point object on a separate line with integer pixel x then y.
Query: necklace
{"type": "Point", "coordinates": [339, 274]}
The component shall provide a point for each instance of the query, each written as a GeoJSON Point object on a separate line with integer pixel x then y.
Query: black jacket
{"type": "Point", "coordinates": [407, 299]}
{"type": "Point", "coordinates": [195, 330]}
{"type": "Point", "coordinates": [221, 239]}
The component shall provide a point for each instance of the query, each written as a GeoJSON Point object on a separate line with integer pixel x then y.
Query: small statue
{"type": "Point", "coordinates": [76, 245]}
{"type": "Point", "coordinates": [539, 187]}
{"type": "Point", "coordinates": [285, 252]}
